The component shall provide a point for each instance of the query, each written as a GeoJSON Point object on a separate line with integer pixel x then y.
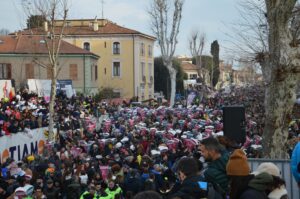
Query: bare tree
{"type": "Point", "coordinates": [269, 34]}
{"type": "Point", "coordinates": [283, 62]}
{"type": "Point", "coordinates": [166, 17]}
{"type": "Point", "coordinates": [4, 31]}
{"type": "Point", "coordinates": [51, 10]}
{"type": "Point", "coordinates": [196, 45]}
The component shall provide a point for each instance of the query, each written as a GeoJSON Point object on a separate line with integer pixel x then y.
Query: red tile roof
{"type": "Point", "coordinates": [109, 28]}
{"type": "Point", "coordinates": [28, 44]}
{"type": "Point", "coordinates": [188, 66]}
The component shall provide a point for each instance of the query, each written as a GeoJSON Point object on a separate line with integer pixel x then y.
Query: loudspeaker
{"type": "Point", "coordinates": [234, 123]}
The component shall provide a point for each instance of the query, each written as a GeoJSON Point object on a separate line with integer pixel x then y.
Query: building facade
{"type": "Point", "coordinates": [127, 61]}
{"type": "Point", "coordinates": [25, 57]}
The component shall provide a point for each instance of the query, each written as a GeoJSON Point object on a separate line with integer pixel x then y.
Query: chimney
{"type": "Point", "coordinates": [96, 25]}
{"type": "Point", "coordinates": [45, 26]}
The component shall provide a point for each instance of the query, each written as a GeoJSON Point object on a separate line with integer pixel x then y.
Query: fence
{"type": "Point", "coordinates": [284, 166]}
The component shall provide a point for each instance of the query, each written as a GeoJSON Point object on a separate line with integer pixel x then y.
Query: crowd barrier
{"type": "Point", "coordinates": [284, 166]}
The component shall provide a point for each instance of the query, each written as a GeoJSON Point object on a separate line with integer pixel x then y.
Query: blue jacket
{"type": "Point", "coordinates": [295, 161]}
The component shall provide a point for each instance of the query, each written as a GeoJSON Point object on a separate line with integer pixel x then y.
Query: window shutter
{"type": "Point", "coordinates": [9, 76]}
{"type": "Point", "coordinates": [73, 72]}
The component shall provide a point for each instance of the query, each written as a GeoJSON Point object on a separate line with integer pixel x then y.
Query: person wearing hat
{"type": "Point", "coordinates": [244, 185]}
{"type": "Point", "coordinates": [278, 190]}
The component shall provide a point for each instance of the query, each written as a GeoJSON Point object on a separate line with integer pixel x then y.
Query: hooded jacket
{"type": "Point", "coordinates": [257, 187]}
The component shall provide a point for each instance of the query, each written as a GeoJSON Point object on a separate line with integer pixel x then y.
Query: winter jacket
{"type": "Point", "coordinates": [114, 191]}
{"type": "Point", "coordinates": [190, 189]}
{"type": "Point", "coordinates": [73, 190]}
{"type": "Point", "coordinates": [51, 193]}
{"type": "Point", "coordinates": [257, 187]}
{"type": "Point", "coordinates": [295, 162]}
{"type": "Point", "coordinates": [216, 172]}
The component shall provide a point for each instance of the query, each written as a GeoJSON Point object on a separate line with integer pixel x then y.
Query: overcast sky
{"type": "Point", "coordinates": [210, 16]}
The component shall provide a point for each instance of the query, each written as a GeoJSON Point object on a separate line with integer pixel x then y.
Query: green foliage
{"type": "Point", "coordinates": [215, 49]}
{"type": "Point", "coordinates": [35, 21]}
{"type": "Point", "coordinates": [106, 93]}
{"type": "Point", "coordinates": [162, 77]}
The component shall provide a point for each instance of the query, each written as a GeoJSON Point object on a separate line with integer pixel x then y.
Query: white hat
{"type": "Point", "coordinates": [155, 152]}
{"type": "Point", "coordinates": [118, 145]}
{"type": "Point", "coordinates": [163, 148]}
{"type": "Point", "coordinates": [132, 147]}
{"type": "Point", "coordinates": [267, 167]}
{"type": "Point", "coordinates": [125, 139]}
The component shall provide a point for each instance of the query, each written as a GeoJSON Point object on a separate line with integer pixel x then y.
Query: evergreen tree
{"type": "Point", "coordinates": [215, 70]}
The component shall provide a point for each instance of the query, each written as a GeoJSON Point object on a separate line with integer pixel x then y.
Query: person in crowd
{"type": "Point", "coordinates": [113, 189]}
{"type": "Point", "coordinates": [90, 193]}
{"type": "Point", "coordinates": [148, 195]}
{"type": "Point", "coordinates": [244, 185]}
{"type": "Point", "coordinates": [50, 190]}
{"type": "Point", "coordinates": [217, 158]}
{"type": "Point", "coordinates": [38, 193]}
{"type": "Point", "coordinates": [295, 163]}
{"type": "Point", "coordinates": [278, 190]}
{"type": "Point", "coordinates": [187, 171]}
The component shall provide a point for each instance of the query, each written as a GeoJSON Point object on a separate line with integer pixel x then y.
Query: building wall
{"type": "Point", "coordinates": [84, 73]}
{"type": "Point", "coordinates": [130, 83]}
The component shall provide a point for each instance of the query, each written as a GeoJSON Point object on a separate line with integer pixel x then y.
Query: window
{"type": "Point", "coordinates": [142, 50]}
{"type": "Point", "coordinates": [150, 51]}
{"type": "Point", "coordinates": [94, 72]}
{"type": "Point", "coordinates": [143, 71]}
{"type": "Point", "coordinates": [193, 76]}
{"type": "Point", "coordinates": [29, 71]}
{"type": "Point", "coordinates": [86, 46]}
{"type": "Point", "coordinates": [150, 68]}
{"type": "Point", "coordinates": [116, 69]}
{"type": "Point", "coordinates": [116, 48]}
{"type": "Point", "coordinates": [5, 71]}
{"type": "Point", "coordinates": [73, 72]}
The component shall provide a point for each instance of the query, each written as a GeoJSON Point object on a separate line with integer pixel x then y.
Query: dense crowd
{"type": "Point", "coordinates": [116, 151]}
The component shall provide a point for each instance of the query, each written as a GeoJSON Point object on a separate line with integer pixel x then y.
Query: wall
{"type": "Point", "coordinates": [19, 62]}
{"type": "Point", "coordinates": [130, 82]}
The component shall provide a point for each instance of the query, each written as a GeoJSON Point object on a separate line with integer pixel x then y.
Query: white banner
{"type": "Point", "coordinates": [6, 89]}
{"type": "Point", "coordinates": [20, 145]}
{"type": "Point", "coordinates": [40, 86]}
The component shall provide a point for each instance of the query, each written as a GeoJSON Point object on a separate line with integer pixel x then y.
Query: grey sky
{"type": "Point", "coordinates": [210, 16]}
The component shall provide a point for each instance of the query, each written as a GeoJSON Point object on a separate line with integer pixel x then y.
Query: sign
{"type": "Point", "coordinates": [17, 146]}
{"type": "Point", "coordinates": [6, 90]}
{"type": "Point", "coordinates": [190, 98]}
{"type": "Point", "coordinates": [65, 86]}
{"type": "Point", "coordinates": [40, 86]}
{"type": "Point", "coordinates": [188, 82]}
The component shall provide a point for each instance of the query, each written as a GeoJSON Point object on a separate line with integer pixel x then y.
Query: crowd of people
{"type": "Point", "coordinates": [117, 151]}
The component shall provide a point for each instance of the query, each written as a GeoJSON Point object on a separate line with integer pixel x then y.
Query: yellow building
{"type": "Point", "coordinates": [126, 63]}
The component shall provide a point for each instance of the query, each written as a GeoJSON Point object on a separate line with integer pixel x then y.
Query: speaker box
{"type": "Point", "coordinates": [234, 123]}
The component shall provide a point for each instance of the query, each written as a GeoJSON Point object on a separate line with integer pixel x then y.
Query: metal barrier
{"type": "Point", "coordinates": [284, 167]}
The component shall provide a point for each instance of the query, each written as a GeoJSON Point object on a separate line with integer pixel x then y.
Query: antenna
{"type": "Point", "coordinates": [102, 6]}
